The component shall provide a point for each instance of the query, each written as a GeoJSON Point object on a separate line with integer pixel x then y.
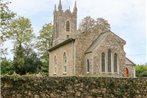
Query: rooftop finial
{"type": "Point", "coordinates": [75, 7]}
{"type": "Point", "coordinates": [55, 7]}
{"type": "Point", "coordinates": [60, 5]}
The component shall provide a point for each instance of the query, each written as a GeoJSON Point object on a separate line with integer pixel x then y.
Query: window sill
{"type": "Point", "coordinates": [109, 72]}
{"type": "Point", "coordinates": [88, 72]}
{"type": "Point", "coordinates": [65, 73]}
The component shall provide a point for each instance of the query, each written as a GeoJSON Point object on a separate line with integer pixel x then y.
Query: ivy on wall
{"type": "Point", "coordinates": [38, 87]}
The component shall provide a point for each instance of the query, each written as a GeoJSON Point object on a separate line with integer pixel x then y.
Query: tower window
{"type": "Point", "coordinates": [56, 30]}
{"type": "Point", "coordinates": [103, 62]}
{"type": "Point", "coordinates": [64, 56]}
{"type": "Point", "coordinates": [67, 26]}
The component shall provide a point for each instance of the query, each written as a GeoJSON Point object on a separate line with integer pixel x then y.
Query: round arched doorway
{"type": "Point", "coordinates": [126, 72]}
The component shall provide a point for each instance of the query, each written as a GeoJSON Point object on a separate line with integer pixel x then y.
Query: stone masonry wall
{"type": "Point", "coordinates": [72, 87]}
{"type": "Point", "coordinates": [83, 41]}
{"type": "Point", "coordinates": [108, 42]}
{"type": "Point", "coordinates": [68, 49]}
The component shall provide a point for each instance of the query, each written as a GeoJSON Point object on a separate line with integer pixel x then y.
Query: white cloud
{"type": "Point", "coordinates": [29, 7]}
{"type": "Point", "coordinates": [114, 10]}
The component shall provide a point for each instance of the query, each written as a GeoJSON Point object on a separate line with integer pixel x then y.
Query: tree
{"type": "Point", "coordinates": [25, 61]}
{"type": "Point", "coordinates": [44, 42]}
{"type": "Point", "coordinates": [141, 71]}
{"type": "Point", "coordinates": [21, 31]}
{"type": "Point", "coordinates": [21, 34]}
{"type": "Point", "coordinates": [6, 67]}
{"type": "Point", "coordinates": [6, 17]}
{"type": "Point", "coordinates": [88, 24]}
{"type": "Point", "coordinates": [102, 24]}
{"type": "Point", "coordinates": [19, 60]}
{"type": "Point", "coordinates": [32, 62]}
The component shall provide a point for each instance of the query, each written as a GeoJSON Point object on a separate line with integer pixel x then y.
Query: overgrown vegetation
{"type": "Point", "coordinates": [141, 70]}
{"type": "Point", "coordinates": [6, 67]}
{"type": "Point", "coordinates": [75, 87]}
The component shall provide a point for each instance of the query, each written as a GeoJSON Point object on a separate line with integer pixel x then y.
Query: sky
{"type": "Point", "coordinates": [127, 19]}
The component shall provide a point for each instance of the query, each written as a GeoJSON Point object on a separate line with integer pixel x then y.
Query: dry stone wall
{"type": "Point", "coordinates": [72, 87]}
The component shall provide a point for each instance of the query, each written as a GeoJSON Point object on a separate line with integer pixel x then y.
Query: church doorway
{"type": "Point", "coordinates": [127, 73]}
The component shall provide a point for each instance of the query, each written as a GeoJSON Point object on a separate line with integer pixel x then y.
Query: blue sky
{"type": "Point", "coordinates": [126, 17]}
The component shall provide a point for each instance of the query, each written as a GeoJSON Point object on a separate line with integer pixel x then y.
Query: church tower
{"type": "Point", "coordinates": [65, 23]}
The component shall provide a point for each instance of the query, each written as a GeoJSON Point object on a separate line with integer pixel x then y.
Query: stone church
{"type": "Point", "coordinates": [75, 53]}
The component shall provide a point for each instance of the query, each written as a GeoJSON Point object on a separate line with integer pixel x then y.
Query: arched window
{"type": "Point", "coordinates": [115, 62]}
{"type": "Point", "coordinates": [64, 57]}
{"type": "Point", "coordinates": [55, 65]}
{"type": "Point", "coordinates": [109, 60]}
{"type": "Point", "coordinates": [65, 62]}
{"type": "Point", "coordinates": [88, 66]}
{"type": "Point", "coordinates": [103, 62]}
{"type": "Point", "coordinates": [55, 60]}
{"type": "Point", "coordinates": [68, 26]}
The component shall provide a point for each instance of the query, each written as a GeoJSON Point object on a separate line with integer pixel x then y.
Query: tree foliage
{"type": "Point", "coordinates": [102, 24]}
{"type": "Point", "coordinates": [141, 71]}
{"type": "Point", "coordinates": [25, 61]}
{"type": "Point", "coordinates": [88, 24]}
{"type": "Point", "coordinates": [44, 39]}
{"type": "Point", "coordinates": [21, 31]}
{"type": "Point", "coordinates": [6, 16]}
{"type": "Point", "coordinates": [44, 42]}
{"type": "Point", "coordinates": [6, 67]}
{"type": "Point", "coordinates": [3, 52]}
